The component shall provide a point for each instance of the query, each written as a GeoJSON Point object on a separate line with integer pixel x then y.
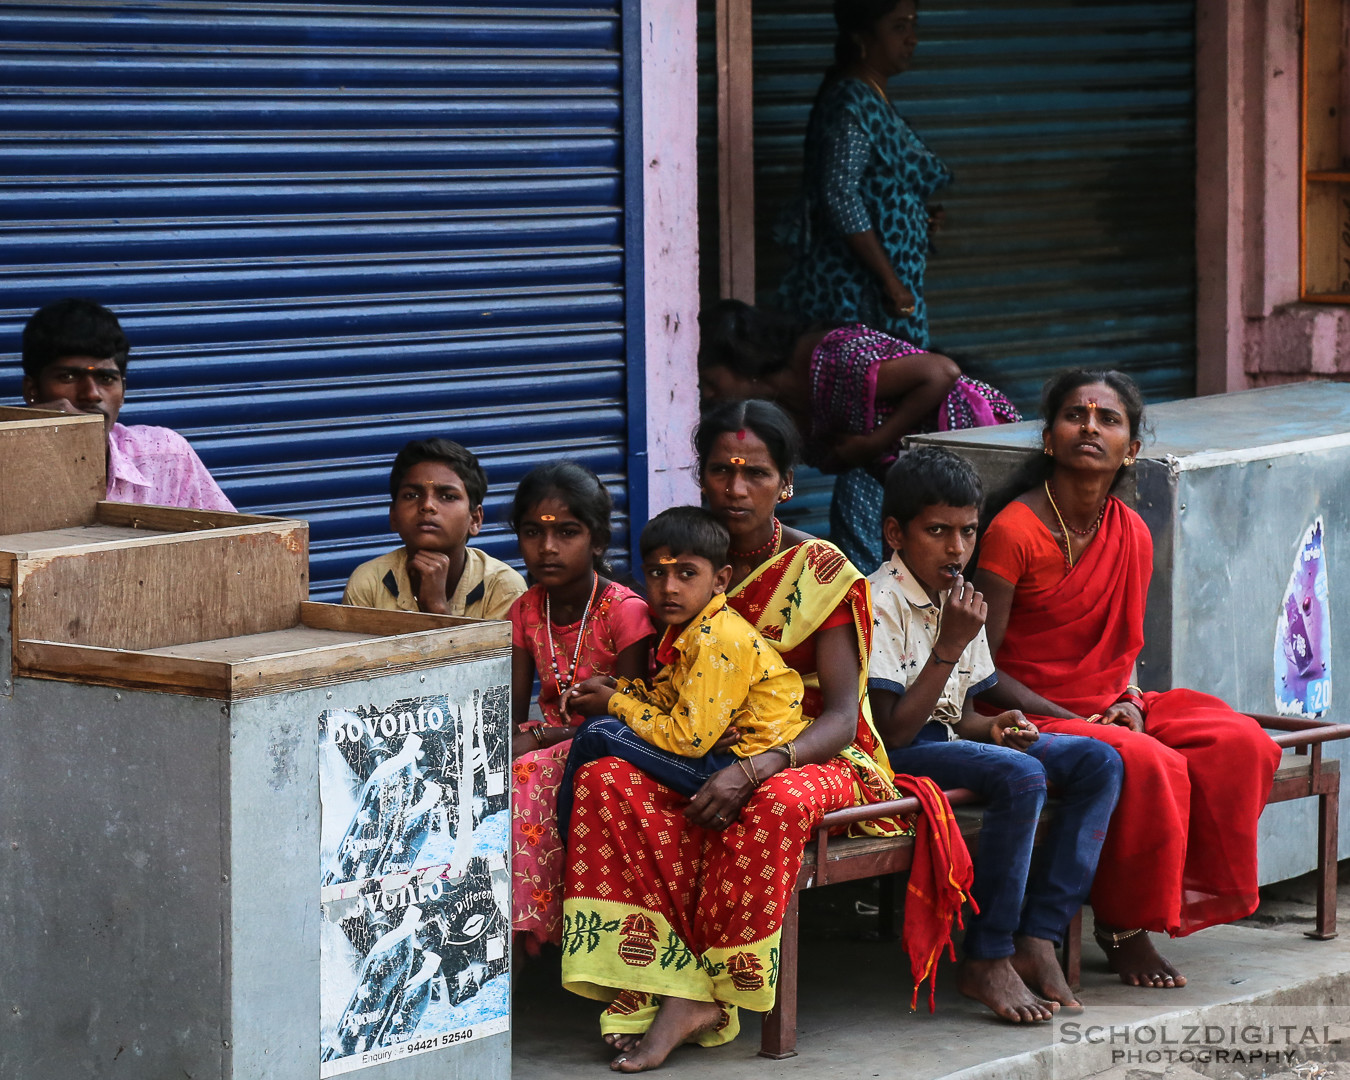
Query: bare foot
{"type": "Point", "coordinates": [995, 983]}
{"type": "Point", "coordinates": [1035, 961]}
{"type": "Point", "coordinates": [677, 1020]}
{"type": "Point", "coordinates": [1136, 961]}
{"type": "Point", "coordinates": [623, 1041]}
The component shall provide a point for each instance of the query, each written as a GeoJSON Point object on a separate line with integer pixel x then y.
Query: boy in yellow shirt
{"type": "Point", "coordinates": [719, 680]}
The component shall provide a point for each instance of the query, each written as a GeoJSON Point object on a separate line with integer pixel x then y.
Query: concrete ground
{"type": "Point", "coordinates": [855, 1020]}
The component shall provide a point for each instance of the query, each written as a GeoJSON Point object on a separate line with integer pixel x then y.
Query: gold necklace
{"type": "Point", "coordinates": [1063, 528]}
{"type": "Point", "coordinates": [877, 87]}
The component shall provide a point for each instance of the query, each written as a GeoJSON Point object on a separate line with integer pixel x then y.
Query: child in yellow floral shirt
{"type": "Point", "coordinates": [723, 693]}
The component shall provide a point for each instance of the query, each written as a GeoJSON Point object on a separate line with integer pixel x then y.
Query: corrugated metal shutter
{"type": "Point", "coordinates": [1070, 128]}
{"type": "Point", "coordinates": [330, 228]}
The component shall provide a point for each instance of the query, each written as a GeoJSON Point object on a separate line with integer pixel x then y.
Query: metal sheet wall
{"type": "Point", "coordinates": [1070, 228]}
{"type": "Point", "coordinates": [330, 228]}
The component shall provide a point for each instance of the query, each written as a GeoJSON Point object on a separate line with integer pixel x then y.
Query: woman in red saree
{"type": "Point", "coordinates": [673, 909]}
{"type": "Point", "coordinates": [1065, 570]}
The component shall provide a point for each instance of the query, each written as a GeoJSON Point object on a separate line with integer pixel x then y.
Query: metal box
{"type": "Point", "coordinates": [242, 836]}
{"type": "Point", "coordinates": [1232, 488]}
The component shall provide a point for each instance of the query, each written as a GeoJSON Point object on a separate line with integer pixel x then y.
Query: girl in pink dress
{"type": "Point", "coordinates": [571, 624]}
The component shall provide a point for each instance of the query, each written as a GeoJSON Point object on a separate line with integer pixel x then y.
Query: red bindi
{"type": "Point", "coordinates": [741, 434]}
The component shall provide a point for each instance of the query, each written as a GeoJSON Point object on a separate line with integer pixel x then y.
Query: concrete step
{"type": "Point", "coordinates": [855, 1020]}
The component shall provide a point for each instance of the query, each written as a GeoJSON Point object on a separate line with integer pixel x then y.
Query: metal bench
{"type": "Point", "coordinates": [831, 859]}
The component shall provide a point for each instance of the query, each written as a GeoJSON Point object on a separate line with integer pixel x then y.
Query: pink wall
{"type": "Point", "coordinates": [670, 197]}
{"type": "Point", "coordinates": [1251, 328]}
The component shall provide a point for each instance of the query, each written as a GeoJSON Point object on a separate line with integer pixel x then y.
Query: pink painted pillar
{"type": "Point", "coordinates": [670, 207]}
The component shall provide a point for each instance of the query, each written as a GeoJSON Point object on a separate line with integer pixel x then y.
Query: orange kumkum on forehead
{"type": "Point", "coordinates": [738, 461]}
{"type": "Point", "coordinates": [548, 517]}
{"type": "Point", "coordinates": [667, 560]}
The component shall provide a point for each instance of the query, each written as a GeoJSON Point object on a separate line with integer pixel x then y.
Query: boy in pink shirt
{"type": "Point", "coordinates": [75, 360]}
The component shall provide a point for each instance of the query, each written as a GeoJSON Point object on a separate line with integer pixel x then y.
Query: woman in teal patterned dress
{"type": "Point", "coordinates": [861, 231]}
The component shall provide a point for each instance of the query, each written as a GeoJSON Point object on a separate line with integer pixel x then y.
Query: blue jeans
{"type": "Point", "coordinates": [608, 736]}
{"type": "Point", "coordinates": [1014, 896]}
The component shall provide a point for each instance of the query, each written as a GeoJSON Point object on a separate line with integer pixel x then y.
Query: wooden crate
{"type": "Point", "coordinates": [53, 469]}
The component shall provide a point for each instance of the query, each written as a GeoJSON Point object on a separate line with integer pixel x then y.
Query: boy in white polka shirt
{"type": "Point", "coordinates": [929, 660]}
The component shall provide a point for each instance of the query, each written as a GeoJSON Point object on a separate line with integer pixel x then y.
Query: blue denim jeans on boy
{"type": "Point", "coordinates": [608, 736]}
{"type": "Point", "coordinates": [1015, 896]}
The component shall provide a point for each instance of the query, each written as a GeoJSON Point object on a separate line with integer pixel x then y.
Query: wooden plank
{"type": "Point", "coordinates": [89, 664]}
{"type": "Point", "coordinates": [778, 1036]}
{"type": "Point", "coordinates": [166, 590]}
{"type": "Point", "coordinates": [315, 667]}
{"type": "Point", "coordinates": [377, 620]}
{"type": "Point", "coordinates": [1322, 86]}
{"type": "Point", "coordinates": [1327, 239]}
{"type": "Point", "coordinates": [83, 539]}
{"type": "Point", "coordinates": [736, 149]}
{"type": "Point", "coordinates": [249, 665]}
{"type": "Point", "coordinates": [248, 647]}
{"type": "Point", "coordinates": [175, 518]}
{"type": "Point", "coordinates": [21, 545]}
{"type": "Point", "coordinates": [52, 469]}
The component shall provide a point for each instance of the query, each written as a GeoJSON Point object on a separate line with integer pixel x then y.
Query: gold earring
{"type": "Point", "coordinates": [1049, 452]}
{"type": "Point", "coordinates": [786, 494]}
{"type": "Point", "coordinates": [1129, 461]}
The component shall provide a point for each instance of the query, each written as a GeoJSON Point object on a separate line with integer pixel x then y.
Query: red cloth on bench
{"type": "Point", "coordinates": [939, 880]}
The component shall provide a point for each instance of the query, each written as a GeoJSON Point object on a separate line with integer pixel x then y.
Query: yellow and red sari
{"type": "Point", "coordinates": [655, 905]}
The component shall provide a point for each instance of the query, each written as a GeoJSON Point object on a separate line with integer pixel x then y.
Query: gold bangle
{"type": "Point", "coordinates": [538, 730]}
{"type": "Point", "coordinates": [1130, 688]}
{"type": "Point", "coordinates": [790, 748]}
{"type": "Point", "coordinates": [749, 770]}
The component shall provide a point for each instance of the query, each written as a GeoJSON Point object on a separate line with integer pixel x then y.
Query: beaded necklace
{"type": "Point", "coordinates": [581, 634]}
{"type": "Point", "coordinates": [764, 549]}
{"type": "Point", "coordinates": [1066, 528]}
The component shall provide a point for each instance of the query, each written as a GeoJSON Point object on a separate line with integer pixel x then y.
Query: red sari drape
{"type": "Point", "coordinates": [1180, 854]}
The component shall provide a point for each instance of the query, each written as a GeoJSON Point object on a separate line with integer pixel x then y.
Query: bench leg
{"type": "Point", "coordinates": [779, 1038]}
{"type": "Point", "coordinates": [1328, 843]}
{"type": "Point", "coordinates": [1073, 951]}
{"type": "Point", "coordinates": [888, 911]}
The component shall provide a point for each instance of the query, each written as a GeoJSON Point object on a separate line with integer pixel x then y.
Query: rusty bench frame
{"type": "Point", "coordinates": [832, 859]}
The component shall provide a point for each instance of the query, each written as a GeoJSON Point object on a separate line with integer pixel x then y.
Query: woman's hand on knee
{"type": "Point", "coordinates": [718, 802]}
{"type": "Point", "coordinates": [1125, 714]}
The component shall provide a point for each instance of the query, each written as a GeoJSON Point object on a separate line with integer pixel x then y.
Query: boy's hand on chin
{"type": "Point", "coordinates": [963, 617]}
{"type": "Point", "coordinates": [428, 571]}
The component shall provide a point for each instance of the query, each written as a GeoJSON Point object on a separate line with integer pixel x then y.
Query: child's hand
{"type": "Point", "coordinates": [727, 739]}
{"type": "Point", "coordinates": [1013, 730]}
{"type": "Point", "coordinates": [590, 697]}
{"type": "Point", "coordinates": [962, 618]}
{"type": "Point", "coordinates": [428, 570]}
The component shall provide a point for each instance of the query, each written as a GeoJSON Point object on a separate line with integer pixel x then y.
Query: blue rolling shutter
{"type": "Point", "coordinates": [330, 228]}
{"type": "Point", "coordinates": [1069, 124]}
